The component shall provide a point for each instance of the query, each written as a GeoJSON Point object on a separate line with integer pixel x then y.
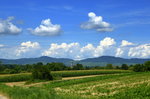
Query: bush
{"type": "Point", "coordinates": [78, 67]}
{"type": "Point", "coordinates": [142, 67]}
{"type": "Point", "coordinates": [138, 68]}
{"type": "Point", "coordinates": [41, 72]}
{"type": "Point", "coordinates": [147, 65]}
{"type": "Point", "coordinates": [124, 66]}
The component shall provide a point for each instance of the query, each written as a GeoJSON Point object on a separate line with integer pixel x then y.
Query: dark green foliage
{"type": "Point", "coordinates": [41, 72]}
{"type": "Point", "coordinates": [124, 66]}
{"type": "Point", "coordinates": [78, 67]}
{"type": "Point", "coordinates": [2, 68]}
{"type": "Point", "coordinates": [142, 67]}
{"type": "Point", "coordinates": [117, 67]}
{"type": "Point", "coordinates": [147, 65]}
{"type": "Point", "coordinates": [109, 66]}
{"type": "Point", "coordinates": [9, 71]}
{"type": "Point", "coordinates": [56, 66]}
{"type": "Point", "coordinates": [138, 68]}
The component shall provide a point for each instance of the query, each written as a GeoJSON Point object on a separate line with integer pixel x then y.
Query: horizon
{"type": "Point", "coordinates": [67, 29]}
{"type": "Point", "coordinates": [72, 59]}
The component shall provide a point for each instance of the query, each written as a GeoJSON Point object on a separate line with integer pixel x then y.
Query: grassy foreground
{"type": "Point", "coordinates": [120, 86]}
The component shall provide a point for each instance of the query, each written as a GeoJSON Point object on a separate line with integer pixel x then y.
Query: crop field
{"type": "Point", "coordinates": [27, 76]}
{"type": "Point", "coordinates": [123, 85]}
{"type": "Point", "coordinates": [110, 86]}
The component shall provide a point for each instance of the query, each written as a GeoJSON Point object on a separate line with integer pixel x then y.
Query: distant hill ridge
{"type": "Point", "coordinates": [98, 61]}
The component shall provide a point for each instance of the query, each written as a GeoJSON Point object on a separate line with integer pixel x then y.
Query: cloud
{"type": "Point", "coordinates": [27, 47]}
{"type": "Point", "coordinates": [107, 42]}
{"type": "Point", "coordinates": [96, 23]}
{"type": "Point", "coordinates": [46, 29]}
{"type": "Point", "coordinates": [24, 50]}
{"type": "Point", "coordinates": [8, 28]}
{"type": "Point", "coordinates": [123, 49]}
{"type": "Point", "coordinates": [126, 43]}
{"type": "Point", "coordinates": [63, 50]}
{"type": "Point", "coordinates": [119, 52]}
{"type": "Point", "coordinates": [142, 51]}
{"type": "Point", "coordinates": [75, 51]}
{"type": "Point", "coordinates": [107, 46]}
{"type": "Point", "coordinates": [1, 45]}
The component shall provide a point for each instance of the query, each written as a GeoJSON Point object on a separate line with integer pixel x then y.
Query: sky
{"type": "Point", "coordinates": [75, 29]}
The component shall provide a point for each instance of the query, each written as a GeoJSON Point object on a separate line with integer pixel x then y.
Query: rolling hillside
{"type": "Point", "coordinates": [99, 61]}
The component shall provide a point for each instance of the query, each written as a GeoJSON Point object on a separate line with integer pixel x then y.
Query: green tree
{"type": "Point", "coordinates": [138, 68]}
{"type": "Point", "coordinates": [147, 66]}
{"type": "Point", "coordinates": [56, 66]}
{"type": "Point", "coordinates": [117, 67]}
{"type": "Point", "coordinates": [41, 72]}
{"type": "Point", "coordinates": [78, 67]}
{"type": "Point", "coordinates": [0, 63]}
{"type": "Point", "coordinates": [1, 67]}
{"type": "Point", "coordinates": [124, 66]}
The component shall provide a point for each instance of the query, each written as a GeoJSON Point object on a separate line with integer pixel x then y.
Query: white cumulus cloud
{"type": "Point", "coordinates": [75, 51]}
{"type": "Point", "coordinates": [27, 47]}
{"type": "Point", "coordinates": [24, 50]}
{"type": "Point", "coordinates": [126, 43]}
{"type": "Point", "coordinates": [106, 46]}
{"type": "Point", "coordinates": [8, 28]}
{"type": "Point", "coordinates": [46, 29]}
{"type": "Point", "coordinates": [63, 50]}
{"type": "Point", "coordinates": [96, 23]}
{"type": "Point", "coordinates": [119, 52]}
{"type": "Point", "coordinates": [142, 51]}
{"type": "Point", "coordinates": [107, 42]}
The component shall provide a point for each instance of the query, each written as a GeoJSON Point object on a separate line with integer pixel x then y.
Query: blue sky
{"type": "Point", "coordinates": [127, 20]}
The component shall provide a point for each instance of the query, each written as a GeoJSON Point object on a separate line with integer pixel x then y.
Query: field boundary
{"type": "Point", "coordinates": [11, 84]}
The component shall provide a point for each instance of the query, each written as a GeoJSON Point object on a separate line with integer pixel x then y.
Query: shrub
{"type": "Point", "coordinates": [124, 66]}
{"type": "Point", "coordinates": [41, 72]}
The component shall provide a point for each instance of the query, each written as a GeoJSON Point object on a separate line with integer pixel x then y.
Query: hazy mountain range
{"type": "Point", "coordinates": [99, 61]}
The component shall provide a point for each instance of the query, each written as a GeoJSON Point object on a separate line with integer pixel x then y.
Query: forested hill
{"type": "Point", "coordinates": [99, 61]}
{"type": "Point", "coordinates": [103, 60]}
{"type": "Point", "coordinates": [43, 59]}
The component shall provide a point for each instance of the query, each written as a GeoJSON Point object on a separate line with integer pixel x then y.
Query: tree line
{"type": "Point", "coordinates": [56, 66]}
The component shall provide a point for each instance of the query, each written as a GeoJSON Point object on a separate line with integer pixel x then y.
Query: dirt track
{"type": "Point", "coordinates": [3, 97]}
{"type": "Point", "coordinates": [78, 77]}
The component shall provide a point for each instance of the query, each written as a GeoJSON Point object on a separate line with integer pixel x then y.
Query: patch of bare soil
{"type": "Point", "coordinates": [3, 97]}
{"type": "Point", "coordinates": [15, 84]}
{"type": "Point", "coordinates": [79, 77]}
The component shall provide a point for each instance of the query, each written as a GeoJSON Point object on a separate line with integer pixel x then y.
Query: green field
{"type": "Point", "coordinates": [27, 76]}
{"type": "Point", "coordinates": [123, 85]}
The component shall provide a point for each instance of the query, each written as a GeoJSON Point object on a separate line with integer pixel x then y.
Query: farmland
{"type": "Point", "coordinates": [27, 76]}
{"type": "Point", "coordinates": [106, 84]}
